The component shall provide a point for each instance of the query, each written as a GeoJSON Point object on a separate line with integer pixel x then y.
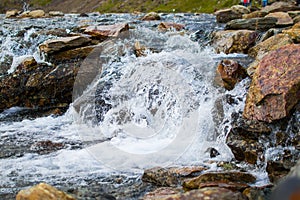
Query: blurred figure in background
{"type": "Point", "coordinates": [264, 3]}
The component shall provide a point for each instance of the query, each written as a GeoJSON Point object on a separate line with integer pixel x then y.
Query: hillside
{"type": "Point", "coordinates": [79, 6]}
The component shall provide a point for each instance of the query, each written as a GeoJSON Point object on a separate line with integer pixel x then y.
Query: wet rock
{"type": "Point", "coordinates": [151, 16]}
{"type": "Point", "coordinates": [255, 14]}
{"type": "Point", "coordinates": [139, 50]}
{"type": "Point", "coordinates": [170, 176]}
{"type": "Point", "coordinates": [235, 12]}
{"type": "Point", "coordinates": [254, 193]}
{"type": "Point", "coordinates": [283, 19]}
{"type": "Point", "coordinates": [56, 13]}
{"type": "Point", "coordinates": [43, 191]}
{"type": "Point", "coordinates": [161, 193]}
{"type": "Point", "coordinates": [274, 89]}
{"type": "Point", "coordinates": [231, 41]}
{"type": "Point", "coordinates": [211, 193]}
{"type": "Point", "coordinates": [38, 85]}
{"type": "Point", "coordinates": [11, 13]}
{"type": "Point", "coordinates": [280, 163]}
{"type": "Point", "coordinates": [294, 32]}
{"type": "Point", "coordinates": [261, 24]}
{"type": "Point", "coordinates": [105, 31]}
{"type": "Point", "coordinates": [280, 6]}
{"type": "Point", "coordinates": [212, 152]}
{"type": "Point", "coordinates": [62, 44]}
{"type": "Point", "coordinates": [229, 72]}
{"type": "Point", "coordinates": [230, 179]}
{"type": "Point", "coordinates": [163, 26]}
{"type": "Point", "coordinates": [294, 14]}
{"type": "Point", "coordinates": [287, 189]}
{"type": "Point", "coordinates": [45, 147]}
{"type": "Point", "coordinates": [295, 171]}
{"type": "Point", "coordinates": [270, 44]}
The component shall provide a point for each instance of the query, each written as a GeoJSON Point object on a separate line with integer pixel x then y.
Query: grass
{"type": "Point", "coordinates": [40, 2]}
{"type": "Point", "coordinates": [194, 6]}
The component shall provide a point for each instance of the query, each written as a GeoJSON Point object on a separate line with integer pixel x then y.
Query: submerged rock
{"type": "Point", "coordinates": [151, 16]}
{"type": "Point", "coordinates": [233, 41]}
{"type": "Point", "coordinates": [163, 26]}
{"type": "Point", "coordinates": [43, 191]}
{"type": "Point", "coordinates": [229, 72]}
{"type": "Point", "coordinates": [275, 86]}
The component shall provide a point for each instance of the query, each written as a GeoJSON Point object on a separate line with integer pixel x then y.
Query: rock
{"type": "Point", "coordinates": [151, 16]}
{"type": "Point", "coordinates": [231, 41]}
{"type": "Point", "coordinates": [161, 193]}
{"type": "Point", "coordinates": [287, 189]}
{"type": "Point", "coordinates": [254, 193]}
{"type": "Point", "coordinates": [243, 140]}
{"type": "Point", "coordinates": [261, 24]}
{"type": "Point", "coordinates": [296, 19]}
{"type": "Point", "coordinates": [294, 32]}
{"type": "Point", "coordinates": [170, 176]}
{"type": "Point", "coordinates": [32, 14]}
{"type": "Point", "coordinates": [62, 44]}
{"type": "Point", "coordinates": [275, 86]}
{"type": "Point", "coordinates": [43, 191]}
{"type": "Point", "coordinates": [295, 171]}
{"type": "Point", "coordinates": [163, 26]}
{"type": "Point", "coordinates": [229, 72]}
{"type": "Point", "coordinates": [255, 14]}
{"type": "Point", "coordinates": [139, 50]}
{"type": "Point", "coordinates": [211, 193]}
{"type": "Point", "coordinates": [280, 6]}
{"type": "Point", "coordinates": [235, 12]}
{"type": "Point", "coordinates": [38, 85]}
{"type": "Point", "coordinates": [279, 164]}
{"type": "Point", "coordinates": [11, 13]}
{"type": "Point", "coordinates": [105, 31]}
{"type": "Point", "coordinates": [294, 14]}
{"type": "Point", "coordinates": [56, 13]}
{"type": "Point", "coordinates": [271, 44]}
{"type": "Point", "coordinates": [219, 178]}
{"type": "Point", "coordinates": [46, 147]}
{"type": "Point", "coordinates": [283, 19]}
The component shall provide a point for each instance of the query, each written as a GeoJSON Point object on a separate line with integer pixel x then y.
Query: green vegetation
{"type": "Point", "coordinates": [194, 6]}
{"type": "Point", "coordinates": [40, 2]}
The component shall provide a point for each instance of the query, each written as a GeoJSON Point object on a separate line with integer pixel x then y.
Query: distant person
{"type": "Point", "coordinates": [298, 2]}
{"type": "Point", "coordinates": [264, 3]}
{"type": "Point", "coordinates": [246, 3]}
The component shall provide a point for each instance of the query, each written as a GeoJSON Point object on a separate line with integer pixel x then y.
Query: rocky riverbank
{"type": "Point", "coordinates": [269, 121]}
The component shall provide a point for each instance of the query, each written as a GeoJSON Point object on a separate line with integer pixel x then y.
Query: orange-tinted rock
{"type": "Point", "coordinates": [43, 191]}
{"type": "Point", "coordinates": [232, 41]}
{"type": "Point", "coordinates": [172, 176]}
{"type": "Point", "coordinates": [151, 16]}
{"type": "Point", "coordinates": [11, 13]}
{"type": "Point", "coordinates": [255, 14]}
{"type": "Point", "coordinates": [104, 31]}
{"type": "Point", "coordinates": [210, 193]}
{"type": "Point", "coordinates": [294, 32]}
{"type": "Point", "coordinates": [163, 26]}
{"type": "Point", "coordinates": [280, 6]}
{"type": "Point", "coordinates": [161, 193]}
{"type": "Point", "coordinates": [229, 72]}
{"type": "Point", "coordinates": [283, 18]}
{"type": "Point", "coordinates": [219, 177]}
{"type": "Point", "coordinates": [275, 87]}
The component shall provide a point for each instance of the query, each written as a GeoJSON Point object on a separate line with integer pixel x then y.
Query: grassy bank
{"type": "Point", "coordinates": [194, 6]}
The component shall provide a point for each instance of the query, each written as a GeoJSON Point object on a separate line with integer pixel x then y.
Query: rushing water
{"type": "Point", "coordinates": [161, 107]}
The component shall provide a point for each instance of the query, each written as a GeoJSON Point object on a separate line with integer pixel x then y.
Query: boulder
{"type": "Point", "coordinates": [36, 13]}
{"type": "Point", "coordinates": [294, 33]}
{"type": "Point", "coordinates": [62, 44]}
{"type": "Point", "coordinates": [151, 16]}
{"type": "Point", "coordinates": [296, 19]}
{"type": "Point", "coordinates": [233, 41]}
{"type": "Point", "coordinates": [283, 18]}
{"type": "Point", "coordinates": [275, 87]}
{"type": "Point", "coordinates": [261, 192]}
{"type": "Point", "coordinates": [280, 6]}
{"type": "Point", "coordinates": [38, 85]}
{"type": "Point", "coordinates": [211, 193]}
{"type": "Point", "coordinates": [56, 13]}
{"type": "Point", "coordinates": [219, 178]}
{"type": "Point", "coordinates": [261, 24]}
{"type": "Point", "coordinates": [172, 176]}
{"type": "Point", "coordinates": [11, 13]}
{"type": "Point", "coordinates": [43, 191]}
{"type": "Point", "coordinates": [294, 14]}
{"type": "Point", "coordinates": [229, 72]}
{"type": "Point", "coordinates": [269, 44]}
{"type": "Point", "coordinates": [235, 12]}
{"type": "Point", "coordinates": [163, 26]}
{"type": "Point", "coordinates": [255, 14]}
{"type": "Point", "coordinates": [105, 31]}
